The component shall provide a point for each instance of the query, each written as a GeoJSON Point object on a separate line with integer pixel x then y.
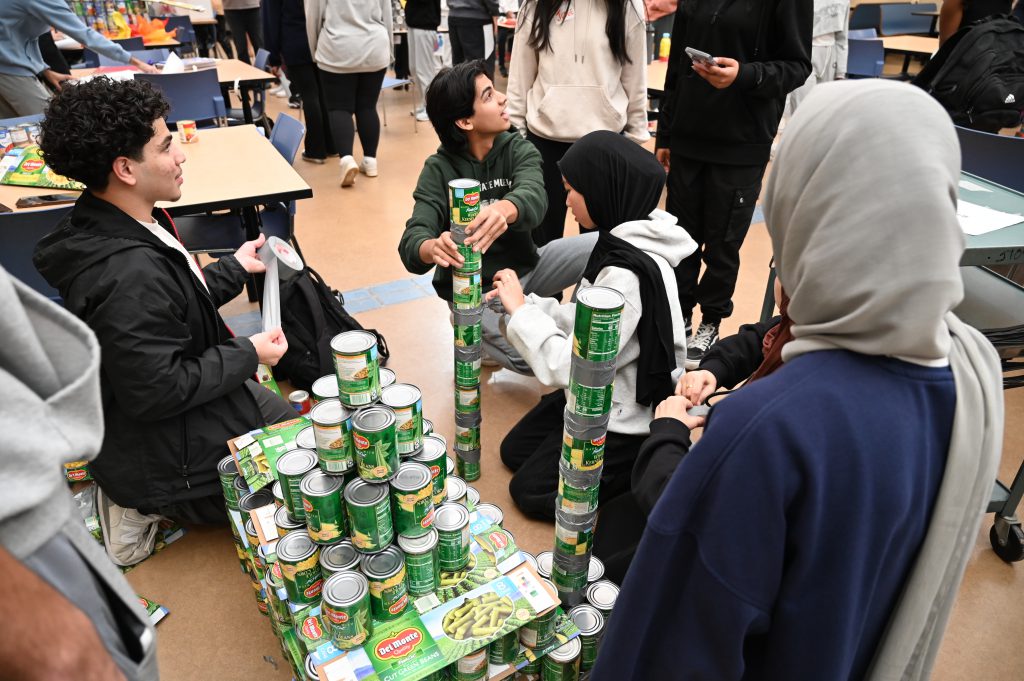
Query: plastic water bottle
{"type": "Point", "coordinates": [664, 47]}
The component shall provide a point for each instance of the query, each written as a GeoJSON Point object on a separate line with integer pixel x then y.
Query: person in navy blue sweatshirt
{"type": "Point", "coordinates": [835, 499]}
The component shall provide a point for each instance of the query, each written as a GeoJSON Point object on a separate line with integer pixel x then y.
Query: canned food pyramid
{"type": "Point", "coordinates": [386, 573]}
{"type": "Point", "coordinates": [300, 566]}
{"type": "Point", "coordinates": [412, 502]}
{"type": "Point", "coordinates": [357, 365]}
{"type": "Point", "coordinates": [332, 426]}
{"type": "Point", "coordinates": [324, 507]}
{"type": "Point", "coordinates": [464, 200]}
{"type": "Point", "coordinates": [596, 332]}
{"type": "Point", "coordinates": [407, 403]}
{"type": "Point", "coordinates": [369, 515]}
{"type": "Point", "coordinates": [346, 609]}
{"type": "Point", "coordinates": [422, 571]}
{"type": "Point", "coordinates": [373, 432]}
{"type": "Point", "coordinates": [434, 457]}
{"type": "Point", "coordinates": [291, 468]}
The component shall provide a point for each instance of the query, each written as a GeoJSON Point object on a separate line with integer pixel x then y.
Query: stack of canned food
{"type": "Point", "coordinates": [595, 348]}
{"type": "Point", "coordinates": [467, 311]}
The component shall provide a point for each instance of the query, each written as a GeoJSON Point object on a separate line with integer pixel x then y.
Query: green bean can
{"type": "Point", "coordinates": [472, 667]}
{"type": "Point", "coordinates": [227, 471]}
{"type": "Point", "coordinates": [452, 524]}
{"type": "Point", "coordinates": [346, 609]}
{"type": "Point", "coordinates": [472, 261]}
{"type": "Point", "coordinates": [464, 200]}
{"type": "Point", "coordinates": [412, 499]}
{"type": "Point", "coordinates": [467, 438]}
{"type": "Point", "coordinates": [369, 515]}
{"type": "Point", "coordinates": [422, 567]}
{"type": "Point", "coordinates": [467, 369]}
{"type": "Point", "coordinates": [357, 365]}
{"type": "Point", "coordinates": [324, 507]}
{"type": "Point", "coordinates": [291, 468]}
{"type": "Point", "coordinates": [589, 401]}
{"type": "Point", "coordinates": [590, 622]}
{"type": "Point", "coordinates": [299, 558]}
{"type": "Point", "coordinates": [540, 631]}
{"type": "Point", "coordinates": [596, 331]}
{"type": "Point", "coordinates": [376, 444]}
{"type": "Point", "coordinates": [386, 574]}
{"type": "Point", "coordinates": [468, 335]}
{"type": "Point", "coordinates": [332, 428]}
{"type": "Point", "coordinates": [581, 454]}
{"type": "Point", "coordinates": [468, 466]}
{"type": "Point", "coordinates": [407, 403]}
{"type": "Point", "coordinates": [434, 457]}
{"type": "Point", "coordinates": [575, 499]}
{"type": "Point", "coordinates": [286, 522]}
{"type": "Point", "coordinates": [562, 663]}
{"type": "Point", "coordinates": [325, 388]}
{"type": "Point", "coordinates": [338, 558]}
{"type": "Point", "coordinates": [467, 290]}
{"type": "Point", "coordinates": [504, 650]}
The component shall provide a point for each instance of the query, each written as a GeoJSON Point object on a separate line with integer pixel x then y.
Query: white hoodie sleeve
{"type": "Point", "coordinates": [522, 69]}
{"type": "Point", "coordinates": [634, 77]}
{"type": "Point", "coordinates": [314, 20]}
{"type": "Point", "coordinates": [389, 20]}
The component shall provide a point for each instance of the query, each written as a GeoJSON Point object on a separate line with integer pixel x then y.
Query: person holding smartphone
{"type": "Point", "coordinates": [715, 134]}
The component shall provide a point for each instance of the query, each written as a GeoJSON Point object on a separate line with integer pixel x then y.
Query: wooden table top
{"type": "Point", "coordinates": [915, 44]}
{"type": "Point", "coordinates": [228, 71]}
{"type": "Point", "coordinates": [72, 44]}
{"type": "Point", "coordinates": [656, 75]}
{"type": "Point", "coordinates": [227, 168]}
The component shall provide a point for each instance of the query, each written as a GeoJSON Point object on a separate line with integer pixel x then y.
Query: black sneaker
{"type": "Point", "coordinates": [295, 102]}
{"type": "Point", "coordinates": [703, 339]}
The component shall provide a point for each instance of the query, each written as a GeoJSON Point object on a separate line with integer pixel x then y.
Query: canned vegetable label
{"type": "Point", "coordinates": [434, 457]}
{"type": "Point", "coordinates": [578, 499]}
{"type": "Point", "coordinates": [538, 632]}
{"type": "Point", "coordinates": [358, 367]}
{"type": "Point", "coordinates": [471, 260]}
{"type": "Point", "coordinates": [583, 455]}
{"type": "Point", "coordinates": [554, 669]}
{"type": "Point", "coordinates": [590, 622]}
{"type": "Point", "coordinates": [369, 513]}
{"type": "Point", "coordinates": [568, 580]}
{"type": "Point", "coordinates": [464, 200]}
{"type": "Point", "coordinates": [596, 331]}
{"type": "Point", "coordinates": [373, 432]}
{"type": "Point", "coordinates": [412, 502]}
{"type": "Point", "coordinates": [407, 403]}
{"type": "Point", "coordinates": [323, 506]}
{"type": "Point", "coordinates": [467, 400]}
{"type": "Point", "coordinates": [573, 541]}
{"type": "Point", "coordinates": [467, 290]}
{"type": "Point", "coordinates": [467, 373]}
{"type": "Point", "coordinates": [467, 470]}
{"type": "Point", "coordinates": [467, 438]}
{"type": "Point", "coordinates": [585, 400]}
{"type": "Point", "coordinates": [468, 335]}
{"type": "Point", "coordinates": [346, 609]}
{"type": "Point", "coordinates": [300, 565]}
{"type": "Point", "coordinates": [452, 524]}
{"type": "Point", "coordinates": [386, 574]}
{"type": "Point", "coordinates": [332, 425]}
{"type": "Point", "coordinates": [291, 468]}
{"type": "Point", "coordinates": [505, 649]}
{"type": "Point", "coordinates": [422, 569]}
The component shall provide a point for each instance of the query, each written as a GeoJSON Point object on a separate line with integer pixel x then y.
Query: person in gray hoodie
{"type": "Point", "coordinates": [68, 613]}
{"type": "Point", "coordinates": [613, 186]}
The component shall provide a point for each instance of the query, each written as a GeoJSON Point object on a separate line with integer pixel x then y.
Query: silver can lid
{"type": "Point", "coordinates": [491, 512]}
{"type": "Point", "coordinates": [277, 490]}
{"type": "Point", "coordinates": [411, 477]}
{"type": "Point", "coordinates": [345, 588]}
{"type": "Point", "coordinates": [587, 619]}
{"type": "Point", "coordinates": [450, 465]}
{"type": "Point", "coordinates": [544, 560]}
{"type": "Point", "coordinates": [258, 499]}
{"type": "Point", "coordinates": [353, 342]}
{"type": "Point", "coordinates": [311, 672]}
{"type": "Point", "coordinates": [595, 570]}
{"type": "Point", "coordinates": [284, 520]}
{"type": "Point", "coordinates": [602, 594]}
{"type": "Point", "coordinates": [241, 486]}
{"type": "Point", "coordinates": [296, 462]}
{"type": "Point", "coordinates": [359, 492]}
{"type": "Point", "coordinates": [373, 419]}
{"type": "Point", "coordinates": [473, 494]}
{"type": "Point", "coordinates": [387, 377]}
{"type": "Point", "coordinates": [295, 546]}
{"type": "Point", "coordinates": [428, 427]}
{"type": "Point", "coordinates": [340, 556]}
{"type": "Point", "coordinates": [306, 438]}
{"type": "Point", "coordinates": [226, 466]}
{"type": "Point", "coordinates": [566, 652]}
{"type": "Point", "coordinates": [530, 558]}
{"type": "Point", "coordinates": [600, 298]}
{"type": "Point", "coordinates": [325, 387]}
{"type": "Point", "coordinates": [449, 517]}
{"type": "Point", "coordinates": [417, 545]}
{"type": "Point", "coordinates": [387, 563]}
{"type": "Point", "coordinates": [316, 483]}
{"type": "Point", "coordinates": [456, 487]}
{"type": "Point", "coordinates": [328, 413]}
{"type": "Point", "coordinates": [464, 183]}
{"type": "Point", "coordinates": [433, 447]}
{"type": "Point", "coordinates": [400, 395]}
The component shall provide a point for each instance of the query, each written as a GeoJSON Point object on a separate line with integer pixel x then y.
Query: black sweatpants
{"type": "Point", "coordinates": [532, 450]}
{"type": "Point", "coordinates": [242, 23]}
{"type": "Point", "coordinates": [472, 41]}
{"type": "Point", "coordinates": [505, 38]}
{"type": "Point", "coordinates": [553, 225]}
{"type": "Point", "coordinates": [306, 83]}
{"type": "Point", "coordinates": [210, 510]}
{"type": "Point", "coordinates": [714, 204]}
{"type": "Point", "coordinates": [353, 93]}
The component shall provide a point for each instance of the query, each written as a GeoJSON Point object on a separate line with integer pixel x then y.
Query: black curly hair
{"type": "Point", "coordinates": [87, 126]}
{"type": "Point", "coordinates": [450, 98]}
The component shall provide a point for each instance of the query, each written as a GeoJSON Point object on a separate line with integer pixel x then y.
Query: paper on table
{"type": "Point", "coordinates": [971, 187]}
{"type": "Point", "coordinates": [173, 64]}
{"type": "Point", "coordinates": [975, 219]}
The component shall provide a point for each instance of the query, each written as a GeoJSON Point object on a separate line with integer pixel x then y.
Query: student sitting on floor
{"type": "Point", "coordinates": [476, 143]}
{"type": "Point", "coordinates": [176, 383]}
{"type": "Point", "coordinates": [614, 186]}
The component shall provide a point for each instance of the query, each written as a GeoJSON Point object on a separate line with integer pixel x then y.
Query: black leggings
{"type": "Point", "coordinates": [307, 84]}
{"type": "Point", "coordinates": [353, 93]}
{"type": "Point", "coordinates": [532, 450]}
{"type": "Point", "coordinates": [244, 22]}
{"type": "Point", "coordinates": [552, 226]}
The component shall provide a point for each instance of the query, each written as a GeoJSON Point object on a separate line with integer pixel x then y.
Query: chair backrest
{"type": "Point", "coordinates": [997, 158]}
{"type": "Point", "coordinates": [865, 58]}
{"type": "Point", "coordinates": [8, 122]}
{"type": "Point", "coordinates": [131, 44]}
{"type": "Point", "coordinates": [862, 34]}
{"type": "Point", "coordinates": [94, 59]}
{"type": "Point", "coordinates": [262, 57]}
{"type": "Point", "coordinates": [185, 33]}
{"type": "Point", "coordinates": [20, 231]}
{"type": "Point", "coordinates": [287, 136]}
{"type": "Point", "coordinates": [866, 15]}
{"type": "Point", "coordinates": [154, 56]}
{"type": "Point", "coordinates": [193, 95]}
{"type": "Point", "coordinates": [899, 19]}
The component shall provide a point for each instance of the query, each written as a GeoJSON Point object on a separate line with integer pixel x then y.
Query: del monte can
{"type": "Point", "coordinates": [386, 574]}
{"type": "Point", "coordinates": [412, 504]}
{"type": "Point", "coordinates": [346, 609]}
{"type": "Point", "coordinates": [357, 365]}
{"type": "Point", "coordinates": [300, 566]}
{"type": "Point", "coordinates": [373, 433]}
{"type": "Point", "coordinates": [407, 403]}
{"type": "Point", "coordinates": [596, 332]}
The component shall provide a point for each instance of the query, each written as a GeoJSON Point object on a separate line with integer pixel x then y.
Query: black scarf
{"type": "Point", "coordinates": [621, 182]}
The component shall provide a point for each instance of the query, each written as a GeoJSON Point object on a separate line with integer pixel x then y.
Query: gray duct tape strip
{"type": "Point", "coordinates": [585, 428]}
{"type": "Point", "coordinates": [470, 420]}
{"type": "Point", "coordinates": [470, 455]}
{"type": "Point", "coordinates": [468, 353]}
{"type": "Point", "coordinates": [468, 317]}
{"type": "Point", "coordinates": [579, 479]}
{"type": "Point", "coordinates": [282, 263]}
{"type": "Point", "coordinates": [594, 374]}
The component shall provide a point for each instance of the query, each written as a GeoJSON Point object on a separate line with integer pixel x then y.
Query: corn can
{"type": "Point", "coordinates": [583, 454]}
{"type": "Point", "coordinates": [286, 522]}
{"type": "Point", "coordinates": [386, 574]}
{"type": "Point", "coordinates": [464, 200]}
{"type": "Point", "coordinates": [590, 622]}
{"type": "Point", "coordinates": [325, 388]}
{"type": "Point", "coordinates": [332, 427]}
{"type": "Point", "coordinates": [376, 445]}
{"type": "Point", "coordinates": [357, 365]}
{"type": "Point", "coordinates": [412, 500]}
{"type": "Point", "coordinates": [338, 558]}
{"type": "Point", "coordinates": [434, 456]}
{"type": "Point", "coordinates": [369, 515]}
{"type": "Point", "coordinates": [346, 609]}
{"type": "Point", "coordinates": [422, 566]}
{"type": "Point", "coordinates": [407, 403]}
{"type": "Point", "coordinates": [324, 507]}
{"type": "Point", "coordinates": [300, 566]}
{"type": "Point", "coordinates": [291, 468]}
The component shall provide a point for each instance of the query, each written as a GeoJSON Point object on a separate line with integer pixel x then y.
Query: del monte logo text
{"type": "Point", "coordinates": [399, 645]}
{"type": "Point", "coordinates": [360, 441]}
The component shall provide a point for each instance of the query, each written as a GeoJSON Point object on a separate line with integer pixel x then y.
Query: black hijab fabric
{"type": "Point", "coordinates": [621, 182]}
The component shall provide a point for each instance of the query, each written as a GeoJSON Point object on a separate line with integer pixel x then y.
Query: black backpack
{"type": "Point", "coordinates": [312, 314]}
{"type": "Point", "coordinates": [978, 74]}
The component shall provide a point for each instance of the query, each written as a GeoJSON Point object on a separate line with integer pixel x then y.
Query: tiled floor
{"type": "Point", "coordinates": [350, 237]}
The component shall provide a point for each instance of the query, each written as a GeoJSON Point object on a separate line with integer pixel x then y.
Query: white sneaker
{"type": "Point", "coordinates": [421, 115]}
{"type": "Point", "coordinates": [281, 92]}
{"type": "Point", "coordinates": [369, 166]}
{"type": "Point", "coordinates": [349, 170]}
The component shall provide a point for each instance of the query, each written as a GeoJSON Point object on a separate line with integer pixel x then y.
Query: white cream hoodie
{"type": "Point", "coordinates": [577, 86]}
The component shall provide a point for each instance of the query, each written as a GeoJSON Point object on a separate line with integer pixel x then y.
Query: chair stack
{"type": "Point", "coordinates": [467, 310]}
{"type": "Point", "coordinates": [595, 348]}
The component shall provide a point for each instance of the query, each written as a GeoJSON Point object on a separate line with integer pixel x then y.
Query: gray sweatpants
{"type": "Point", "coordinates": [560, 265]}
{"type": "Point", "coordinates": [21, 96]}
{"type": "Point", "coordinates": [424, 63]}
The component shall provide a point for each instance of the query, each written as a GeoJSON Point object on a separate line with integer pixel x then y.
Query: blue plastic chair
{"type": "Point", "coordinates": [155, 56]}
{"type": "Point", "coordinates": [186, 33]}
{"type": "Point", "coordinates": [862, 34]}
{"type": "Point", "coordinates": [996, 158]}
{"type": "Point", "coordinates": [866, 15]}
{"type": "Point", "coordinates": [899, 19]}
{"type": "Point", "coordinates": [259, 103]}
{"type": "Point", "coordinates": [20, 231]}
{"type": "Point", "coordinates": [9, 122]}
{"type": "Point", "coordinates": [865, 58]}
{"type": "Point", "coordinates": [94, 59]}
{"type": "Point", "coordinates": [193, 95]}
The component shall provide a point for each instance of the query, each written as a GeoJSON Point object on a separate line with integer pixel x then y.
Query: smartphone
{"type": "Point", "coordinates": [46, 200]}
{"type": "Point", "coordinates": [701, 57]}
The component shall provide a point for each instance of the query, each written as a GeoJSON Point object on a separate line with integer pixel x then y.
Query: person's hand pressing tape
{"type": "Point", "coordinates": [247, 258]}
{"type": "Point", "coordinates": [270, 346]}
{"type": "Point", "coordinates": [677, 408]}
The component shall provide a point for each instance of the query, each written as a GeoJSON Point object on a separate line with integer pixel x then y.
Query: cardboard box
{"type": "Point", "coordinates": [256, 453]}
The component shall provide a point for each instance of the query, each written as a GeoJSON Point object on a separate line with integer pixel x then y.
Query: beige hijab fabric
{"type": "Point", "coordinates": [861, 209]}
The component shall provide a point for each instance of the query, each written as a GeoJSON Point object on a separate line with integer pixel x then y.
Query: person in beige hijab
{"type": "Point", "coordinates": [820, 527]}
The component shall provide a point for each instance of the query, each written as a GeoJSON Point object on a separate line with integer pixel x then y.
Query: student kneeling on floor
{"type": "Point", "coordinates": [470, 118]}
{"type": "Point", "coordinates": [614, 186]}
{"type": "Point", "coordinates": [175, 381]}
